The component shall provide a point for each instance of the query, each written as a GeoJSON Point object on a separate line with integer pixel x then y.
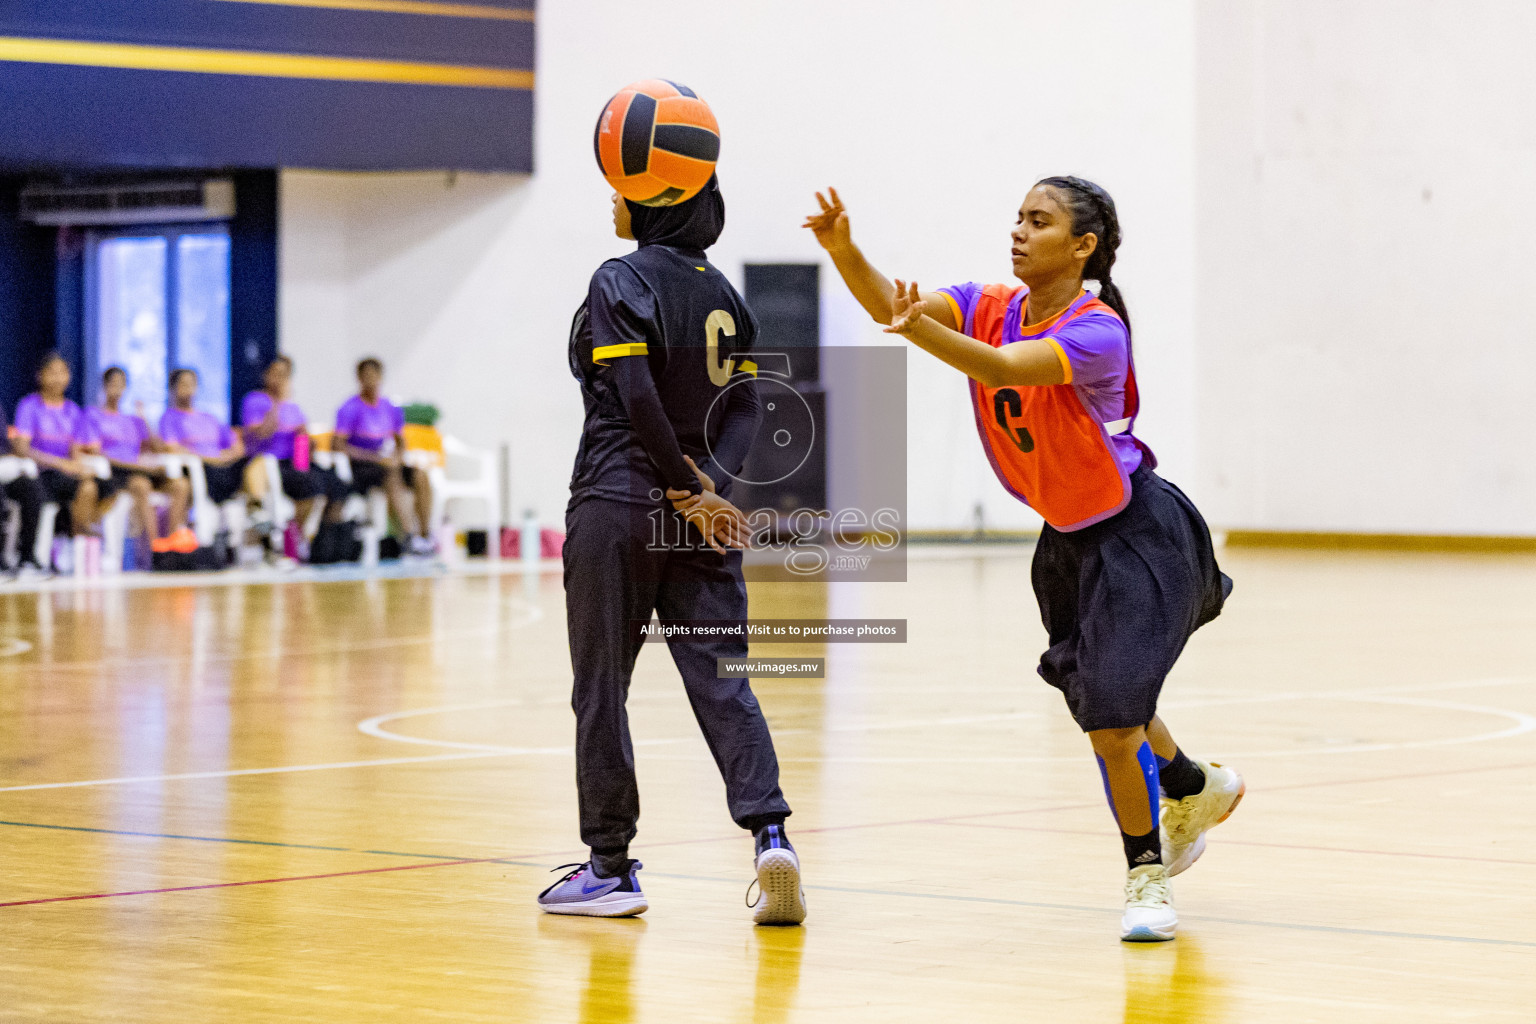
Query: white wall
{"type": "Point", "coordinates": [932, 120]}
{"type": "Point", "coordinates": [1367, 203]}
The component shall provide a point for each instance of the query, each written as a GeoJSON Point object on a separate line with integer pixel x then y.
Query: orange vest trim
{"type": "Point", "coordinates": [1047, 449]}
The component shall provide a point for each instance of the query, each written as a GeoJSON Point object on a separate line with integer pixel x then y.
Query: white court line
{"type": "Point", "coordinates": [241, 771]}
{"type": "Point", "coordinates": [1524, 723]}
{"type": "Point", "coordinates": [533, 614]}
{"type": "Point", "coordinates": [13, 645]}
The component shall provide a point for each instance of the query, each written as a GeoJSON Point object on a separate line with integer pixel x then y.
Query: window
{"type": "Point", "coordinates": [158, 299]}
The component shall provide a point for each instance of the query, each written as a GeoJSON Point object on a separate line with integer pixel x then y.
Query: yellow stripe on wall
{"type": "Point", "coordinates": [251, 62]}
{"type": "Point", "coordinates": [485, 11]}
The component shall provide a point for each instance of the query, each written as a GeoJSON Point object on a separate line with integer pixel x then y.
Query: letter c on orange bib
{"type": "Point", "coordinates": [657, 143]}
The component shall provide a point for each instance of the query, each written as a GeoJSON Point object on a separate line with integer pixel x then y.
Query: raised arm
{"type": "Point", "coordinates": [1027, 363]}
{"type": "Point", "coordinates": [872, 288]}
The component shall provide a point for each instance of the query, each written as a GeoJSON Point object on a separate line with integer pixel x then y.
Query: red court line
{"type": "Point", "coordinates": [254, 881]}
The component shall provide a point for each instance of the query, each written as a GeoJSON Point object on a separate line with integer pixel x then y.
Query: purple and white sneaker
{"type": "Point", "coordinates": [586, 893]}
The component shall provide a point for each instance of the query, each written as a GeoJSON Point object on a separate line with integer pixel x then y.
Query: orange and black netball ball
{"type": "Point", "coordinates": [657, 143]}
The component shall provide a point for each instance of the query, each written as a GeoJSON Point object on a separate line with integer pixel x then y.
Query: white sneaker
{"type": "Point", "coordinates": [780, 897]}
{"type": "Point", "coordinates": [1149, 914]}
{"type": "Point", "coordinates": [1185, 822]}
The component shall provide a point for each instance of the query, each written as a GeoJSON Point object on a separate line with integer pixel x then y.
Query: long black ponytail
{"type": "Point", "coordinates": [1093, 210]}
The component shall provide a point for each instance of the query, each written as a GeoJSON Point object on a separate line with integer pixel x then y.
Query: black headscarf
{"type": "Point", "coordinates": [695, 224]}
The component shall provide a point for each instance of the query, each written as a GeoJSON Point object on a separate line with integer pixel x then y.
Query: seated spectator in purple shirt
{"type": "Point", "coordinates": [368, 429]}
{"type": "Point", "coordinates": [271, 423]}
{"type": "Point", "coordinates": [186, 429]}
{"type": "Point", "coordinates": [48, 428]}
{"type": "Point", "coordinates": [28, 495]}
{"type": "Point", "coordinates": [125, 440]}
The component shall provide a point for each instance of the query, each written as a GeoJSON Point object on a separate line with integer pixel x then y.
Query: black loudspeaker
{"type": "Point", "coordinates": [787, 468]}
{"type": "Point", "coordinates": [786, 299]}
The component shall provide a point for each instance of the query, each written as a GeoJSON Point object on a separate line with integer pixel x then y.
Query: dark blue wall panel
{"type": "Point", "coordinates": [26, 297]}
{"type": "Point", "coordinates": [271, 28]}
{"type": "Point", "coordinates": [58, 108]}
{"type": "Point", "coordinates": [253, 283]}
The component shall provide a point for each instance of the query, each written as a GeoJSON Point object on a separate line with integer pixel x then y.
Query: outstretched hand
{"type": "Point", "coordinates": [830, 226]}
{"type": "Point", "coordinates": [906, 308]}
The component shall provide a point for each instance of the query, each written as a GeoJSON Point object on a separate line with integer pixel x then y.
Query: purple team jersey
{"type": "Point", "coordinates": [51, 429]}
{"type": "Point", "coordinates": [368, 426]}
{"type": "Point", "coordinates": [198, 432]}
{"type": "Point", "coordinates": [120, 435]}
{"type": "Point", "coordinates": [290, 422]}
{"type": "Point", "coordinates": [1096, 352]}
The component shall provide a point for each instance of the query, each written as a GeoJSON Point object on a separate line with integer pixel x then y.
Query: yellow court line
{"type": "Point", "coordinates": [252, 62]}
{"type": "Point", "coordinates": [485, 11]}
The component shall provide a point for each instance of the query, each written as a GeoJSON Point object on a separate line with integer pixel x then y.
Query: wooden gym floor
{"type": "Point", "coordinates": [335, 802]}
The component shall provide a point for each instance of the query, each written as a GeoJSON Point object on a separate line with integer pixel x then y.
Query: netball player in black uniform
{"type": "Point", "coordinates": [654, 345]}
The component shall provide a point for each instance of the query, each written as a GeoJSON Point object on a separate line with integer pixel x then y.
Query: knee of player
{"type": "Point", "coordinates": [139, 487]}
{"type": "Point", "coordinates": [723, 693]}
{"type": "Point", "coordinates": [1117, 742]}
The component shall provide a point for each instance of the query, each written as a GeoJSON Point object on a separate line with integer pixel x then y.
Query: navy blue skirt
{"type": "Point", "coordinates": [1121, 598]}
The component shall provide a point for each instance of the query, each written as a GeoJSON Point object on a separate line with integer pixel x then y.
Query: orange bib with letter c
{"type": "Point", "coordinates": [1048, 450]}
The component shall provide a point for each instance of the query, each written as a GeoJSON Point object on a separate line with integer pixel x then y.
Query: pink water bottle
{"type": "Point", "coordinates": [293, 541]}
{"type": "Point", "coordinates": [301, 452]}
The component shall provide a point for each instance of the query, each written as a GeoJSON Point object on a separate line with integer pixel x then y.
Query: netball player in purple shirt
{"type": "Point", "coordinates": [366, 425]}
{"type": "Point", "coordinates": [124, 439]}
{"type": "Point", "coordinates": [1124, 570]}
{"type": "Point", "coordinates": [184, 428]}
{"type": "Point", "coordinates": [48, 426]}
{"type": "Point", "coordinates": [271, 423]}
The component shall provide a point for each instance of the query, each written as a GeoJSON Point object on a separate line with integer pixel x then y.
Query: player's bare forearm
{"type": "Point", "coordinates": [1027, 363]}
{"type": "Point", "coordinates": [872, 288]}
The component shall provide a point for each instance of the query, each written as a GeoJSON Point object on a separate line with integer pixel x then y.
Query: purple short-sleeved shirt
{"type": "Point", "coordinates": [368, 426]}
{"type": "Point", "coordinates": [50, 429]}
{"type": "Point", "coordinates": [198, 432]}
{"type": "Point", "coordinates": [290, 422]}
{"type": "Point", "coordinates": [1095, 348]}
{"type": "Point", "coordinates": [120, 435]}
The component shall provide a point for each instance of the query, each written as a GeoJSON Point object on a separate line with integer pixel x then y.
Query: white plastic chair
{"type": "Point", "coordinates": [371, 509]}
{"type": "Point", "coordinates": [114, 525]}
{"type": "Point", "coordinates": [276, 507]}
{"type": "Point", "coordinates": [206, 516]}
{"type": "Point", "coordinates": [484, 485]}
{"type": "Point", "coordinates": [12, 467]}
